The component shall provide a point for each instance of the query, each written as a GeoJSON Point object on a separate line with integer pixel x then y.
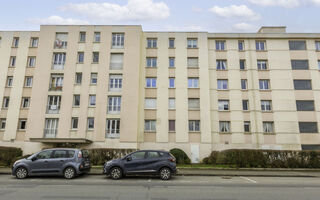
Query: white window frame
{"type": "Point", "coordinates": [171, 62]}
{"type": "Point", "coordinates": [150, 125]}
{"type": "Point", "coordinates": [90, 123]}
{"type": "Point", "coordinates": [28, 81]}
{"type": "Point", "coordinates": [54, 102]}
{"type": "Point", "coordinates": [268, 127]}
{"type": "Point", "coordinates": [221, 84]}
{"type": "Point", "coordinates": [152, 42]}
{"type": "Point", "coordinates": [31, 61]}
{"type": "Point", "coordinates": [151, 82]}
{"type": "Point", "coordinates": [74, 100]}
{"type": "Point", "coordinates": [193, 82]}
{"type": "Point", "coordinates": [262, 64]}
{"type": "Point", "coordinates": [244, 82]}
{"type": "Point", "coordinates": [113, 128]}
{"type": "Point", "coordinates": [172, 103]}
{"type": "Point", "coordinates": [220, 45]}
{"type": "Point", "coordinates": [266, 105]}
{"type": "Point", "coordinates": [9, 81]}
{"type": "Point", "coordinates": [34, 42]}
{"type": "Point", "coordinates": [246, 123]}
{"type": "Point", "coordinates": [224, 127]}
{"type": "Point", "coordinates": [74, 126]}
{"type": "Point", "coordinates": [172, 83]}
{"type": "Point", "coordinates": [59, 60]}
{"type": "Point", "coordinates": [97, 37]}
{"type": "Point", "coordinates": [117, 40]}
{"type": "Point", "coordinates": [20, 123]}
{"type": "Point", "coordinates": [116, 61]}
{"type": "Point", "coordinates": [192, 43]}
{"type": "Point", "coordinates": [114, 104]}
{"type": "Point", "coordinates": [194, 125]}
{"type": "Point", "coordinates": [13, 60]}
{"type": "Point", "coordinates": [151, 62]}
{"type": "Point", "coordinates": [25, 103]}
{"type": "Point", "coordinates": [260, 45]}
{"type": "Point", "coordinates": [265, 83]}
{"type": "Point", "coordinates": [194, 103]}
{"type": "Point", "coordinates": [6, 102]}
{"type": "Point", "coordinates": [3, 122]}
{"type": "Point", "coordinates": [150, 103]}
{"type": "Point", "coordinates": [94, 76]}
{"type": "Point", "coordinates": [223, 105]}
{"type": "Point", "coordinates": [115, 82]}
{"type": "Point", "coordinates": [92, 100]}
{"type": "Point", "coordinates": [51, 127]}
{"type": "Point", "coordinates": [193, 62]}
{"type": "Point", "coordinates": [221, 64]}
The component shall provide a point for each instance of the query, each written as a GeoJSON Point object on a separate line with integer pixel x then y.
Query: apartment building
{"type": "Point", "coordinates": [121, 87]}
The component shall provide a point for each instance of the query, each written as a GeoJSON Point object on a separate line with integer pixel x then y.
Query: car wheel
{"type": "Point", "coordinates": [165, 173]}
{"type": "Point", "coordinates": [69, 173]}
{"type": "Point", "coordinates": [21, 173]}
{"type": "Point", "coordinates": [116, 173]}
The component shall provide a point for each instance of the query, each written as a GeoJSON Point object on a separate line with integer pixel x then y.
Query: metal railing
{"type": "Point", "coordinates": [53, 109]}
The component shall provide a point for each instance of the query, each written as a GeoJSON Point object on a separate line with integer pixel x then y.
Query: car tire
{"type": "Point", "coordinates": [116, 173]}
{"type": "Point", "coordinates": [21, 173]}
{"type": "Point", "coordinates": [69, 173]}
{"type": "Point", "coordinates": [165, 173]}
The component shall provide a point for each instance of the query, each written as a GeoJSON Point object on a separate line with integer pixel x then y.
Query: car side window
{"type": "Point", "coordinates": [138, 155]}
{"type": "Point", "coordinates": [44, 155]}
{"type": "Point", "coordinates": [60, 154]}
{"type": "Point", "coordinates": [70, 153]}
{"type": "Point", "coordinates": [153, 154]}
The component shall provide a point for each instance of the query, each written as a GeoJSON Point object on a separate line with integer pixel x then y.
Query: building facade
{"type": "Point", "coordinates": [121, 87]}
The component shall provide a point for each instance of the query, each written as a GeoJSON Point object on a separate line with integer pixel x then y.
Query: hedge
{"type": "Point", "coordinates": [99, 156]}
{"type": "Point", "coordinates": [181, 156]}
{"type": "Point", "coordinates": [265, 158]}
{"type": "Point", "coordinates": [8, 155]}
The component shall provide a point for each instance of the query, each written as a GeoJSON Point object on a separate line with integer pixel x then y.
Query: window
{"type": "Point", "coordinates": [95, 57]}
{"type": "Point", "coordinates": [151, 43]}
{"type": "Point", "coordinates": [82, 37]}
{"type": "Point", "coordinates": [31, 61]}
{"type": "Point", "coordinates": [299, 64]}
{"type": "Point", "coordinates": [171, 62]}
{"type": "Point", "coordinates": [78, 78]}
{"type": "Point", "coordinates": [2, 124]}
{"type": "Point", "coordinates": [172, 125]}
{"type": "Point", "coordinates": [28, 81]}
{"type": "Point", "coordinates": [138, 155]}
{"type": "Point", "coordinates": [246, 126]}
{"type": "Point", "coordinates": [264, 84]}
{"type": "Point", "coordinates": [22, 124]}
{"type": "Point", "coordinates": [242, 64]}
{"type": "Point", "coordinates": [61, 41]}
{"type": "Point", "coordinates": [220, 45]}
{"type": "Point", "coordinates": [53, 104]}
{"type": "Point", "coordinates": [114, 104]}
{"type": "Point", "coordinates": [116, 61]}
{"type": "Point", "coordinates": [12, 61]}
{"type": "Point", "coordinates": [171, 42]}
{"type": "Point", "coordinates": [76, 100]}
{"type": "Point", "coordinates": [115, 82]}
{"type": "Point", "coordinates": [172, 103]}
{"type": "Point", "coordinates": [74, 122]}
{"type": "Point", "coordinates": [317, 45]}
{"type": "Point", "coordinates": [51, 127]}
{"type": "Point", "coordinates": [96, 37]}
{"type": "Point", "coordinates": [5, 103]}
{"type": "Point", "coordinates": [25, 102]}
{"type": "Point", "coordinates": [297, 45]}
{"type": "Point", "coordinates": [34, 42]}
{"type": "Point", "coordinates": [60, 154]}
{"type": "Point", "coordinates": [267, 127]}
{"type": "Point", "coordinates": [194, 104]}
{"type": "Point", "coordinates": [241, 45]}
{"type": "Point", "coordinates": [92, 100]}
{"type": "Point", "coordinates": [150, 125]}
{"type": "Point", "coordinates": [223, 105]}
{"type": "Point", "coordinates": [15, 42]}
{"type": "Point", "coordinates": [151, 62]}
{"type": "Point", "coordinates": [59, 60]}
{"type": "Point", "coordinates": [221, 64]}
{"type": "Point", "coordinates": [90, 124]}
{"type": "Point", "coordinates": [151, 82]}
{"type": "Point", "coordinates": [80, 57]}
{"type": "Point", "coordinates": [303, 105]}
{"type": "Point", "coordinates": [224, 127]}
{"type": "Point", "coordinates": [193, 82]}
{"type": "Point", "coordinates": [260, 45]}
{"type": "Point", "coordinates": [117, 40]}
{"type": "Point", "coordinates": [9, 81]}
{"type": "Point", "coordinates": [44, 154]}
{"type": "Point", "coordinates": [266, 105]}
{"type": "Point", "coordinates": [153, 154]}
{"type": "Point", "coordinates": [262, 64]}
{"type": "Point", "coordinates": [308, 127]}
{"type": "Point", "coordinates": [150, 103]}
{"type": "Point", "coordinates": [192, 43]}
{"type": "Point", "coordinates": [192, 62]}
{"type": "Point", "coordinates": [244, 84]}
{"type": "Point", "coordinates": [94, 78]}
{"type": "Point", "coordinates": [318, 64]}
{"type": "Point", "coordinates": [245, 104]}
{"type": "Point", "coordinates": [171, 83]}
{"type": "Point", "coordinates": [113, 128]}
{"type": "Point", "coordinates": [194, 125]}
{"type": "Point", "coordinates": [302, 84]}
{"type": "Point", "coordinates": [222, 84]}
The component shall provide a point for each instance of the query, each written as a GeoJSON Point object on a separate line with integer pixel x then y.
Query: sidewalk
{"type": "Point", "coordinates": [225, 172]}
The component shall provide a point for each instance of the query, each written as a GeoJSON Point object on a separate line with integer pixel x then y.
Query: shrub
{"type": "Point", "coordinates": [181, 156]}
{"type": "Point", "coordinates": [8, 155]}
{"type": "Point", "coordinates": [99, 156]}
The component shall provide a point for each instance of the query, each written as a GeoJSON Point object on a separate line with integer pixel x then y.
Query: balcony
{"type": "Point", "coordinates": [55, 87]}
{"type": "Point", "coordinates": [58, 44]}
{"type": "Point", "coordinates": [57, 66]}
{"type": "Point", "coordinates": [50, 133]}
{"type": "Point", "coordinates": [53, 109]}
{"type": "Point", "coordinates": [112, 134]}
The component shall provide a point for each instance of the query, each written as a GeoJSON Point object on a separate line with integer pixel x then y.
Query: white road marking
{"type": "Point", "coordinates": [248, 179]}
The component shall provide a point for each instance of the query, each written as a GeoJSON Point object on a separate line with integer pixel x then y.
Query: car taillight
{"type": "Point", "coordinates": [79, 154]}
{"type": "Point", "coordinates": [172, 159]}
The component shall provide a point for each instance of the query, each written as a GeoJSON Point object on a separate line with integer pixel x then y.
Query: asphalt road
{"type": "Point", "coordinates": [179, 188]}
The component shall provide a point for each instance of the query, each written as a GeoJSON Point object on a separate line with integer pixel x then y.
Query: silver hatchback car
{"type": "Point", "coordinates": [61, 162]}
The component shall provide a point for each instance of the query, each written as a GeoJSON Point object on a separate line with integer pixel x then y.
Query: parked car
{"type": "Point", "coordinates": [60, 161]}
{"type": "Point", "coordinates": [151, 162]}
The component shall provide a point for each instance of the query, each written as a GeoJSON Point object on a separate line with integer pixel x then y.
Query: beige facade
{"type": "Point", "coordinates": [120, 87]}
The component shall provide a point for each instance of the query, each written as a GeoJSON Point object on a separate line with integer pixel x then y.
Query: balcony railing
{"type": "Point", "coordinates": [58, 44]}
{"type": "Point", "coordinates": [57, 66]}
{"type": "Point", "coordinates": [50, 133]}
{"type": "Point", "coordinates": [112, 134]}
{"type": "Point", "coordinates": [53, 109]}
{"type": "Point", "coordinates": [54, 87]}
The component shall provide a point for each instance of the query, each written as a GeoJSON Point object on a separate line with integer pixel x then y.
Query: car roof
{"type": "Point", "coordinates": [153, 150]}
{"type": "Point", "coordinates": [62, 149]}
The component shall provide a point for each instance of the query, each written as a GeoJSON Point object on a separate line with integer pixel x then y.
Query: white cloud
{"type": "Point", "coordinates": [235, 11]}
{"type": "Point", "coordinates": [285, 3]}
{"type": "Point", "coordinates": [57, 20]}
{"type": "Point", "coordinates": [315, 2]}
{"type": "Point", "coordinates": [134, 10]}
{"type": "Point", "coordinates": [243, 27]}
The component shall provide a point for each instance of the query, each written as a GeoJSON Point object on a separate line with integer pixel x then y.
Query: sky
{"type": "Point", "coordinates": [164, 15]}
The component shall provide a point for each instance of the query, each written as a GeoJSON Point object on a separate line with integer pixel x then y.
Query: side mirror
{"type": "Point", "coordinates": [34, 158]}
{"type": "Point", "coordinates": [129, 158]}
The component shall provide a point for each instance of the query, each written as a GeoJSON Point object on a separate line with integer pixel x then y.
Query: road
{"type": "Point", "coordinates": [98, 187]}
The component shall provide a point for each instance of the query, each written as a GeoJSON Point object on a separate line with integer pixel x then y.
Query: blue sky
{"type": "Point", "coordinates": [165, 15]}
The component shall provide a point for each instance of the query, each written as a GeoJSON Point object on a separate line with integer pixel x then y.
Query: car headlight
{"type": "Point", "coordinates": [15, 163]}
{"type": "Point", "coordinates": [109, 162]}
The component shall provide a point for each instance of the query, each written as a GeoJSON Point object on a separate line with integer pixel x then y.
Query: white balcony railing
{"type": "Point", "coordinates": [50, 133]}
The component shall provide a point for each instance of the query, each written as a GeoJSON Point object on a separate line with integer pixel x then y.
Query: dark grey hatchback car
{"type": "Point", "coordinates": [151, 162]}
{"type": "Point", "coordinates": [60, 161]}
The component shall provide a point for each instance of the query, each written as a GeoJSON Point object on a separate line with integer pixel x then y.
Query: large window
{"type": "Point", "coordinates": [262, 64]}
{"type": "Point", "coordinates": [224, 127]}
{"type": "Point", "coordinates": [115, 83]}
{"type": "Point", "coordinates": [25, 102]}
{"type": "Point", "coordinates": [221, 64]}
{"type": "Point", "coordinates": [152, 43]}
{"type": "Point", "coordinates": [220, 45]}
{"type": "Point", "coordinates": [53, 105]}
{"type": "Point", "coordinates": [151, 82]}
{"type": "Point", "coordinates": [113, 128]}
{"type": "Point", "coordinates": [222, 84]}
{"type": "Point", "coordinates": [264, 84]}
{"type": "Point", "coordinates": [192, 62]}
{"type": "Point", "coordinates": [267, 127]}
{"type": "Point", "coordinates": [308, 127]}
{"type": "Point", "coordinates": [260, 45]}
{"type": "Point", "coordinates": [266, 105]}
{"type": "Point", "coordinates": [116, 61]}
{"type": "Point", "coordinates": [34, 42]}
{"type": "Point", "coordinates": [31, 61]}
{"type": "Point", "coordinates": [297, 45]}
{"type": "Point", "coordinates": [223, 105]}
{"type": "Point", "coordinates": [194, 125]}
{"type": "Point", "coordinates": [59, 60]}
{"type": "Point", "coordinates": [114, 104]}
{"type": "Point", "coordinates": [151, 62]}
{"type": "Point", "coordinates": [150, 125]}
{"type": "Point", "coordinates": [61, 41]}
{"type": "Point", "coordinates": [302, 84]}
{"type": "Point", "coordinates": [150, 103]}
{"type": "Point", "coordinates": [117, 40]}
{"type": "Point", "coordinates": [304, 105]}
{"type": "Point", "coordinates": [192, 43]}
{"type": "Point", "coordinates": [51, 127]}
{"type": "Point", "coordinates": [299, 64]}
{"type": "Point", "coordinates": [194, 103]}
{"type": "Point", "coordinates": [193, 82]}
